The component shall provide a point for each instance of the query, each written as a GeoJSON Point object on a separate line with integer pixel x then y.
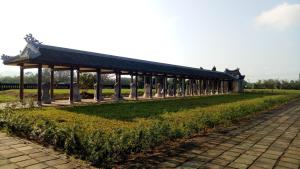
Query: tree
{"type": "Point", "coordinates": [87, 80]}
{"type": "Point", "coordinates": [277, 84]}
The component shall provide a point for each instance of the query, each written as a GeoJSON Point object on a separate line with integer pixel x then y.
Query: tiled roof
{"type": "Point", "coordinates": [52, 55]}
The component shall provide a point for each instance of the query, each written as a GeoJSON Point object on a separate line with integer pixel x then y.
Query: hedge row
{"type": "Point", "coordinates": [105, 148]}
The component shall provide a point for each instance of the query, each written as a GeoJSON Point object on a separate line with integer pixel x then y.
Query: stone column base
{"type": "Point", "coordinates": [116, 98]}
{"type": "Point", "coordinates": [100, 99]}
{"type": "Point", "coordinates": [146, 91]}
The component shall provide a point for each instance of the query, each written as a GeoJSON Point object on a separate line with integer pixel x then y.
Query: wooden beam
{"type": "Point", "coordinates": [30, 66]}
{"type": "Point", "coordinates": [62, 69]}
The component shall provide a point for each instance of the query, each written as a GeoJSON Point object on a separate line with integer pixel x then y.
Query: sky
{"type": "Point", "coordinates": [262, 38]}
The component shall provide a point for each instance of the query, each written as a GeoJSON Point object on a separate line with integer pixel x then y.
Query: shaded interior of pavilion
{"type": "Point", "coordinates": [153, 87]}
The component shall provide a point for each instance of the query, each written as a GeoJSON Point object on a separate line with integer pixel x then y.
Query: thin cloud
{"type": "Point", "coordinates": [280, 18]}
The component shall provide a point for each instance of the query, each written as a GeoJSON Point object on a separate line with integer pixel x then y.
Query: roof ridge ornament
{"type": "Point", "coordinates": [5, 57]}
{"type": "Point", "coordinates": [31, 40]}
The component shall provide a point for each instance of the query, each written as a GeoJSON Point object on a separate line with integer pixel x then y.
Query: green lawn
{"type": "Point", "coordinates": [12, 95]}
{"type": "Point", "coordinates": [105, 133]}
{"type": "Point", "coordinates": [273, 91]}
{"type": "Point", "coordinates": [129, 114]}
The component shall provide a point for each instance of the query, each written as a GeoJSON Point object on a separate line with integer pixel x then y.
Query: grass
{"type": "Point", "coordinates": [128, 114]}
{"type": "Point", "coordinates": [106, 133]}
{"type": "Point", "coordinates": [273, 91]}
{"type": "Point", "coordinates": [13, 94]}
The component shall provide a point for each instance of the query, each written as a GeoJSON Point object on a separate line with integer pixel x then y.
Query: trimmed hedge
{"type": "Point", "coordinates": [103, 148]}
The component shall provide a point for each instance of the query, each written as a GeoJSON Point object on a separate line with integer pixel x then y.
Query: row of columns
{"type": "Point", "coordinates": [180, 86]}
{"type": "Point", "coordinates": [51, 84]}
{"type": "Point", "coordinates": [191, 87]}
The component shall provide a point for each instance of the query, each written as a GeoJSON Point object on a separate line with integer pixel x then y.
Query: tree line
{"type": "Point", "coordinates": [87, 80]}
{"type": "Point", "coordinates": [274, 84]}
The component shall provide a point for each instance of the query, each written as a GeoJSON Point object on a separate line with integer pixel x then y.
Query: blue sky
{"type": "Point", "coordinates": [262, 38]}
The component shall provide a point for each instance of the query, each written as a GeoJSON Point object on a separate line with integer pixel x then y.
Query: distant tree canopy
{"type": "Point", "coordinates": [274, 84]}
{"type": "Point", "coordinates": [87, 80]}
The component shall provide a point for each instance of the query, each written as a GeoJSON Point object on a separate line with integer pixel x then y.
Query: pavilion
{"type": "Point", "coordinates": [186, 80]}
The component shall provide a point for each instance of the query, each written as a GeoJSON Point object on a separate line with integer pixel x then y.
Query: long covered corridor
{"type": "Point", "coordinates": [160, 80]}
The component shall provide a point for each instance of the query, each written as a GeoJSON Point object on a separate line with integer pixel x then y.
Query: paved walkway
{"type": "Point", "coordinates": [20, 153]}
{"type": "Point", "coordinates": [272, 140]}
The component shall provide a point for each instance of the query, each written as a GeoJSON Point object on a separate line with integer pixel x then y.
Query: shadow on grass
{"type": "Point", "coordinates": [128, 111]}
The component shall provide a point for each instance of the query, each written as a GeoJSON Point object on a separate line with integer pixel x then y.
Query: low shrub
{"type": "Point", "coordinates": [104, 146]}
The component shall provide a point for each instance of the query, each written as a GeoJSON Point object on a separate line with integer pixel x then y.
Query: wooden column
{"type": "Point", "coordinates": [197, 87]}
{"type": "Point", "coordinates": [183, 87]}
{"type": "Point", "coordinates": [227, 86]}
{"type": "Point", "coordinates": [200, 87]}
{"type": "Point", "coordinates": [21, 93]}
{"type": "Point", "coordinates": [223, 87]}
{"type": "Point", "coordinates": [165, 86]}
{"type": "Point", "coordinates": [78, 77]}
{"type": "Point", "coordinates": [145, 82]}
{"type": "Point", "coordinates": [204, 86]}
{"type": "Point", "coordinates": [151, 86]}
{"type": "Point", "coordinates": [40, 85]}
{"type": "Point", "coordinates": [213, 86]}
{"type": "Point", "coordinates": [52, 83]}
{"type": "Point", "coordinates": [218, 86]}
{"type": "Point", "coordinates": [156, 79]}
{"type": "Point", "coordinates": [192, 86]}
{"type": "Point", "coordinates": [119, 86]}
{"type": "Point", "coordinates": [98, 85]}
{"type": "Point", "coordinates": [174, 86]}
{"type": "Point", "coordinates": [207, 87]}
{"type": "Point", "coordinates": [136, 87]}
{"type": "Point", "coordinates": [131, 78]}
{"type": "Point", "coordinates": [71, 85]}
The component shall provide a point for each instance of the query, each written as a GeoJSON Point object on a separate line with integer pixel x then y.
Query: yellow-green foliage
{"type": "Point", "coordinates": [108, 132]}
{"type": "Point", "coordinates": [12, 95]}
